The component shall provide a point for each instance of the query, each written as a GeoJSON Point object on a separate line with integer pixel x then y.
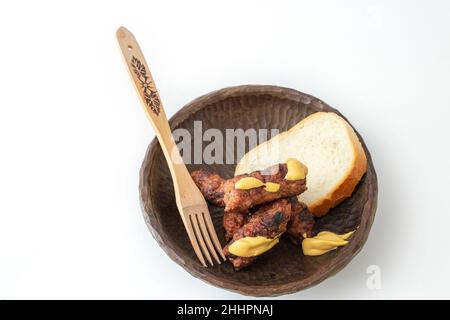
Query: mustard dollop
{"type": "Point", "coordinates": [272, 187]}
{"type": "Point", "coordinates": [324, 242]}
{"type": "Point", "coordinates": [252, 246]}
{"type": "Point", "coordinates": [295, 170]}
{"type": "Point", "coordinates": [248, 183]}
{"type": "Point", "coordinates": [251, 183]}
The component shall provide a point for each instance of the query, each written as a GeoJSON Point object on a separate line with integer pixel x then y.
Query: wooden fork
{"type": "Point", "coordinates": [190, 202]}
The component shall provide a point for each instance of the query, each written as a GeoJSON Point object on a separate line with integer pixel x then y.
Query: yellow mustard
{"type": "Point", "coordinates": [331, 235]}
{"type": "Point", "coordinates": [324, 242]}
{"type": "Point", "coordinates": [295, 170]}
{"type": "Point", "coordinates": [248, 183]}
{"type": "Point", "coordinates": [252, 246]}
{"type": "Point", "coordinates": [272, 187]}
{"type": "Point", "coordinates": [251, 183]}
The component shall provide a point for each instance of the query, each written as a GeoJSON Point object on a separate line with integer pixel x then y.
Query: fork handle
{"type": "Point", "coordinates": [150, 100]}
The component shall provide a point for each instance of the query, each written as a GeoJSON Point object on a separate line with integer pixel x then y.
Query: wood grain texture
{"type": "Point", "coordinates": [284, 269]}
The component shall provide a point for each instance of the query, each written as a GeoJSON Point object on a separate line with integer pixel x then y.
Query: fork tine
{"type": "Point", "coordinates": [194, 243]}
{"type": "Point", "coordinates": [200, 239]}
{"type": "Point", "coordinates": [206, 236]}
{"type": "Point", "coordinates": [213, 234]}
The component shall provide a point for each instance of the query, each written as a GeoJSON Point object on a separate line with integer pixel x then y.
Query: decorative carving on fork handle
{"type": "Point", "coordinates": [150, 96]}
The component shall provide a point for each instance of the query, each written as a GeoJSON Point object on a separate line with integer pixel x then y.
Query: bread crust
{"type": "Point", "coordinates": [347, 185]}
{"type": "Point", "coordinates": [349, 181]}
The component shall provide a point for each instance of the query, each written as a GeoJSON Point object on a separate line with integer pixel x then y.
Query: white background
{"type": "Point", "coordinates": [73, 134]}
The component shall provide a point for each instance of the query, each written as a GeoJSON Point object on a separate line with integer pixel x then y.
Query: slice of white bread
{"type": "Point", "coordinates": [330, 149]}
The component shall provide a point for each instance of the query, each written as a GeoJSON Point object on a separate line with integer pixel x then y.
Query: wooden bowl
{"type": "Point", "coordinates": [284, 269]}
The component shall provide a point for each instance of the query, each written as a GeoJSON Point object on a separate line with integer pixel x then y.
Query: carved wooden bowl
{"type": "Point", "coordinates": [284, 269]}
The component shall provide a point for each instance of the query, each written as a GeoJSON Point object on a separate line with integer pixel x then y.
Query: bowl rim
{"type": "Point", "coordinates": [338, 262]}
